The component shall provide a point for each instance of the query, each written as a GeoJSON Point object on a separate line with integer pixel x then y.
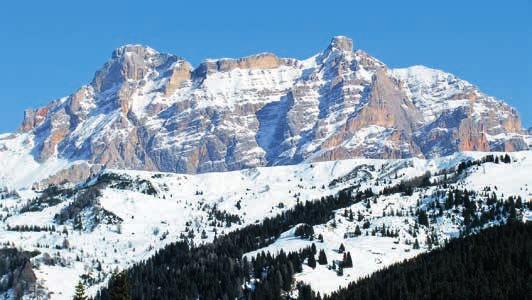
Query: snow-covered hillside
{"type": "Point", "coordinates": [120, 217]}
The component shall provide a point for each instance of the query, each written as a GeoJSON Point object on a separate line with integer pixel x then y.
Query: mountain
{"type": "Point", "coordinates": [153, 111]}
{"type": "Point", "coordinates": [177, 175]}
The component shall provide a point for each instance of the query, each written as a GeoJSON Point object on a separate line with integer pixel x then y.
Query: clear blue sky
{"type": "Point", "coordinates": [50, 48]}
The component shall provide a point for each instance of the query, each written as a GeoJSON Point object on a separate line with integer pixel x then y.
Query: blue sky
{"type": "Point", "coordinates": [50, 48]}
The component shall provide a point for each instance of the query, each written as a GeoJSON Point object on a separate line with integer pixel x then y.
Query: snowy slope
{"type": "Point", "coordinates": [18, 167]}
{"type": "Point", "coordinates": [158, 208]}
{"type": "Point", "coordinates": [371, 252]}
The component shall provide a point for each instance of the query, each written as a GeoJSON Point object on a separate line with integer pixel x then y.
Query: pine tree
{"type": "Point", "coordinates": [450, 201]}
{"type": "Point", "coordinates": [340, 271]}
{"type": "Point", "coordinates": [313, 249]}
{"type": "Point", "coordinates": [422, 218]}
{"type": "Point", "coordinates": [348, 262]}
{"type": "Point", "coordinates": [342, 248]}
{"type": "Point", "coordinates": [320, 238]}
{"type": "Point", "coordinates": [416, 244]}
{"type": "Point", "coordinates": [322, 258]}
{"type": "Point", "coordinates": [507, 159]}
{"type": "Point", "coordinates": [80, 292]}
{"type": "Point", "coordinates": [357, 230]}
{"type": "Point", "coordinates": [119, 289]}
{"type": "Point", "coordinates": [351, 218]}
{"type": "Point", "coordinates": [312, 261]}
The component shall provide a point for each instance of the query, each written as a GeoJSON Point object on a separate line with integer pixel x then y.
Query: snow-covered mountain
{"type": "Point", "coordinates": [104, 178]}
{"type": "Point", "coordinates": [152, 111]}
{"type": "Point", "coordinates": [118, 218]}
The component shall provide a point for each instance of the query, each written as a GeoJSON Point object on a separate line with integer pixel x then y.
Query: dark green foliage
{"type": "Point", "coordinates": [341, 249]}
{"type": "Point", "coordinates": [311, 261]}
{"type": "Point", "coordinates": [84, 199]}
{"type": "Point", "coordinates": [27, 228]}
{"type": "Point", "coordinates": [79, 293]}
{"type": "Point", "coordinates": [217, 271]}
{"type": "Point", "coordinates": [222, 217]}
{"type": "Point", "coordinates": [304, 231]}
{"type": "Point", "coordinates": [347, 261]}
{"type": "Point", "coordinates": [422, 218]}
{"type": "Point", "coordinates": [51, 196]}
{"type": "Point", "coordinates": [87, 198]}
{"type": "Point", "coordinates": [494, 264]}
{"type": "Point", "coordinates": [125, 182]}
{"type": "Point", "coordinates": [120, 289]}
{"type": "Point", "coordinates": [357, 230]}
{"type": "Point", "coordinates": [322, 257]}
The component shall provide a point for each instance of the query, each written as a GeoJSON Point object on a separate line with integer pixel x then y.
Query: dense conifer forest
{"type": "Point", "coordinates": [494, 264]}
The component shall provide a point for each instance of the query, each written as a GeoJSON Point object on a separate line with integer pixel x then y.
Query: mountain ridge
{"type": "Point", "coordinates": [155, 111]}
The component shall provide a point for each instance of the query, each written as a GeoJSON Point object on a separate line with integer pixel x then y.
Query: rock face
{"type": "Point", "coordinates": [153, 111]}
{"type": "Point", "coordinates": [76, 174]}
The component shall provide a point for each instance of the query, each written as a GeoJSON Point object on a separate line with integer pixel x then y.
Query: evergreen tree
{"type": "Point", "coordinates": [357, 231]}
{"type": "Point", "coordinates": [322, 258]}
{"type": "Point", "coordinates": [320, 238]}
{"type": "Point", "coordinates": [119, 287]}
{"type": "Point", "coordinates": [313, 248]}
{"type": "Point", "coordinates": [449, 201]}
{"type": "Point", "coordinates": [340, 271]}
{"type": "Point", "coordinates": [80, 292]}
{"type": "Point", "coordinates": [507, 159]}
{"type": "Point", "coordinates": [311, 261]}
{"type": "Point", "coordinates": [347, 262]}
{"type": "Point", "coordinates": [496, 256]}
{"type": "Point", "coordinates": [422, 218]}
{"type": "Point", "coordinates": [350, 218]}
{"type": "Point", "coordinates": [342, 248]}
{"type": "Point", "coordinates": [416, 244]}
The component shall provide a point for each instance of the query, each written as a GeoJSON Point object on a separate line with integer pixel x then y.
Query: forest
{"type": "Point", "coordinates": [494, 264]}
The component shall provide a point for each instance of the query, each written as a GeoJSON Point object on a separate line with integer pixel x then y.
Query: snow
{"type": "Point", "coordinates": [510, 179]}
{"type": "Point", "coordinates": [241, 85]}
{"type": "Point", "coordinates": [433, 91]}
{"type": "Point", "coordinates": [18, 167]}
{"type": "Point", "coordinates": [372, 253]}
{"type": "Point", "coordinates": [146, 218]}
{"type": "Point", "coordinates": [152, 221]}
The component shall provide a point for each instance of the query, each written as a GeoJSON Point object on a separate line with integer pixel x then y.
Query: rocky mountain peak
{"type": "Point", "coordinates": [132, 49]}
{"type": "Point", "coordinates": [154, 111]}
{"type": "Point", "coordinates": [341, 43]}
{"type": "Point", "coordinates": [131, 63]}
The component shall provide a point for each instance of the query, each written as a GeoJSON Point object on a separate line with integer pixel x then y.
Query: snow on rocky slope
{"type": "Point", "coordinates": [155, 111]}
{"type": "Point", "coordinates": [81, 181]}
{"type": "Point", "coordinates": [120, 217]}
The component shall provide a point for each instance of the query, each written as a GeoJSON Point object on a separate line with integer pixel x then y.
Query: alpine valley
{"type": "Point", "coordinates": [291, 177]}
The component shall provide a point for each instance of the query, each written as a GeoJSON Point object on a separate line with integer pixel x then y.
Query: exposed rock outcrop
{"type": "Point", "coordinates": [153, 111]}
{"type": "Point", "coordinates": [33, 118]}
{"type": "Point", "coordinates": [180, 73]}
{"type": "Point", "coordinates": [75, 174]}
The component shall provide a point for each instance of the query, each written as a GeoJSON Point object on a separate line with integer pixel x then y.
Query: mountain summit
{"type": "Point", "coordinates": [154, 111]}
